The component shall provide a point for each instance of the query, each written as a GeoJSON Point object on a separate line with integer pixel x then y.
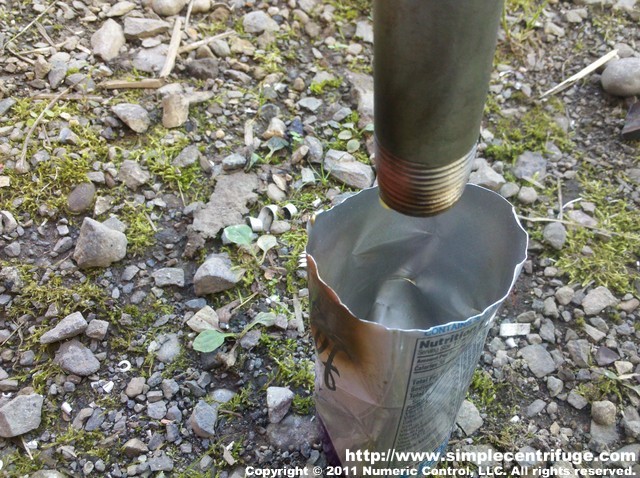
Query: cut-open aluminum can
{"type": "Point", "coordinates": [400, 310]}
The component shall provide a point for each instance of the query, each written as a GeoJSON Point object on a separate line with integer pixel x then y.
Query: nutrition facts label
{"type": "Point", "coordinates": [442, 366]}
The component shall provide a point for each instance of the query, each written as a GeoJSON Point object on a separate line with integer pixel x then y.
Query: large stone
{"type": "Point", "coordinates": [258, 22]}
{"type": "Point", "coordinates": [363, 85]}
{"type": "Point", "coordinates": [622, 77]}
{"type": "Point", "coordinates": [603, 434]}
{"type": "Point", "coordinates": [538, 360]}
{"type": "Point", "coordinates": [134, 116]}
{"type": "Point", "coordinates": [144, 27]}
{"type": "Point", "coordinates": [99, 245]}
{"type": "Point", "coordinates": [485, 176]}
{"type": "Point", "coordinates": [107, 41]}
{"type": "Point", "coordinates": [20, 415]}
{"type": "Point", "coordinates": [278, 403]}
{"type": "Point", "coordinates": [469, 419]}
{"type": "Point", "coordinates": [132, 174]}
{"type": "Point", "coordinates": [597, 300]}
{"type": "Point", "coordinates": [167, 8]}
{"type": "Point", "coordinates": [294, 432]}
{"type": "Point", "coordinates": [205, 319]}
{"type": "Point", "coordinates": [72, 325]}
{"type": "Point", "coordinates": [188, 156]}
{"type": "Point", "coordinates": [203, 69]}
{"type": "Point", "coordinates": [227, 205]}
{"type": "Point", "coordinates": [203, 419]}
{"type": "Point", "coordinates": [170, 348]}
{"type": "Point", "coordinates": [364, 31]}
{"type": "Point", "coordinates": [215, 275]}
{"type": "Point", "coordinates": [346, 169]}
{"type": "Point", "coordinates": [74, 357]}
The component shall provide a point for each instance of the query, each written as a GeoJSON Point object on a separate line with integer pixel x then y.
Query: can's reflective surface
{"type": "Point", "coordinates": [400, 309]}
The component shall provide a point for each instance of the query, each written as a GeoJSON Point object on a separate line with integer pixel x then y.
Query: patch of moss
{"type": "Point", "coordinates": [140, 228]}
{"type": "Point", "coordinates": [614, 245]}
{"type": "Point", "coordinates": [529, 132]}
{"type": "Point", "coordinates": [318, 88]}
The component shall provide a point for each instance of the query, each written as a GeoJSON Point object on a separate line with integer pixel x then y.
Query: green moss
{"type": "Point", "coordinates": [318, 88]}
{"type": "Point", "coordinates": [529, 132]}
{"type": "Point", "coordinates": [140, 229]}
{"type": "Point", "coordinates": [615, 244]}
{"type": "Point", "coordinates": [350, 10]}
{"type": "Point", "coordinates": [482, 388]}
{"type": "Point", "coordinates": [303, 405]}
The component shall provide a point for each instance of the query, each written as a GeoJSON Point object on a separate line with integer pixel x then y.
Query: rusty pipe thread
{"type": "Point", "coordinates": [415, 190]}
{"type": "Point", "coordinates": [432, 65]}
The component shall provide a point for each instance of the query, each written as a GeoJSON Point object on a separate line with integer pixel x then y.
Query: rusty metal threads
{"type": "Point", "coordinates": [417, 190]}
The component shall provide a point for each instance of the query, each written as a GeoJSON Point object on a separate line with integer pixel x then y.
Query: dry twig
{"type": "Point", "coordinates": [149, 83]}
{"type": "Point", "coordinates": [170, 61]}
{"type": "Point", "coordinates": [581, 74]}
{"type": "Point", "coordinates": [206, 41]}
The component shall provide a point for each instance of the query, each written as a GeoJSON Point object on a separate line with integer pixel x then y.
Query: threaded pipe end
{"type": "Point", "coordinates": [415, 189]}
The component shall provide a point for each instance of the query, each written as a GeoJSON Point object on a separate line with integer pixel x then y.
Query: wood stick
{"type": "Point", "coordinates": [149, 83]}
{"type": "Point", "coordinates": [206, 41]}
{"type": "Point", "coordinates": [22, 166]}
{"type": "Point", "coordinates": [581, 74]}
{"type": "Point", "coordinates": [15, 37]}
{"type": "Point", "coordinates": [186, 19]}
{"type": "Point", "coordinates": [172, 53]}
{"type": "Point", "coordinates": [70, 97]}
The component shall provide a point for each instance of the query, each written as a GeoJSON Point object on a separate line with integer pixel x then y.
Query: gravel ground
{"type": "Point", "coordinates": [145, 221]}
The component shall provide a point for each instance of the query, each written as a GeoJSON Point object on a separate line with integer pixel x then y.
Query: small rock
{"type": "Point", "coordinates": [99, 245]}
{"type": "Point", "coordinates": [135, 447]}
{"type": "Point", "coordinates": [605, 356]}
{"type": "Point", "coordinates": [527, 195]}
{"type": "Point", "coordinates": [234, 161]}
{"type": "Point", "coordinates": [188, 156]}
{"type": "Point", "coordinates": [132, 174]}
{"type": "Point", "coordinates": [151, 60]}
{"type": "Point", "coordinates": [97, 329]}
{"type": "Point", "coordinates": [579, 351]}
{"type": "Point", "coordinates": [169, 349]}
{"type": "Point", "coordinates": [161, 463]}
{"type": "Point", "coordinates": [603, 434]}
{"type": "Point", "coordinates": [203, 419]}
{"type": "Point", "coordinates": [554, 385]}
{"type": "Point", "coordinates": [169, 276]}
{"type": "Point", "coordinates": [57, 74]}
{"type": "Point", "coordinates": [157, 410]}
{"type": "Point", "coordinates": [203, 69]}
{"type": "Point", "coordinates": [144, 27]}
{"type": "Point", "coordinates": [275, 193]}
{"type": "Point", "coordinates": [120, 9]}
{"type": "Point", "coordinates": [469, 419]}
{"type": "Point", "coordinates": [309, 103]}
{"type": "Point", "coordinates": [486, 177]}
{"type": "Point", "coordinates": [595, 334]}
{"type": "Point", "coordinates": [509, 190]}
{"type": "Point", "coordinates": [72, 325]}
{"type": "Point", "coordinates": [107, 41]}
{"type": "Point", "coordinates": [134, 116]}
{"type": "Point", "coordinates": [535, 407]}
{"type": "Point", "coordinates": [135, 387]}
{"type": "Point", "coordinates": [513, 330]}
{"type": "Point", "coordinates": [73, 357]}
{"type": "Point", "coordinates": [205, 319]}
{"type": "Point", "coordinates": [597, 300]}
{"type": "Point", "coordinates": [20, 415]}
{"type": "Point", "coordinates": [166, 8]}
{"type": "Point", "coordinates": [81, 198]}
{"type": "Point", "coordinates": [538, 360]}
{"type": "Point", "coordinates": [576, 400]}
{"type": "Point", "coordinates": [622, 77]}
{"type": "Point", "coordinates": [215, 275]}
{"type": "Point", "coordinates": [555, 235]}
{"type": "Point", "coordinates": [603, 413]}
{"type": "Point", "coordinates": [530, 165]}
{"type": "Point", "coordinates": [6, 104]}
{"type": "Point", "coordinates": [201, 6]}
{"type": "Point", "coordinates": [364, 31]}
{"type": "Point", "coordinates": [175, 110]}
{"type": "Point", "coordinates": [346, 169]}
{"type": "Point", "coordinates": [278, 403]}
{"type": "Point", "coordinates": [258, 22]}
{"type": "Point", "coordinates": [564, 295]}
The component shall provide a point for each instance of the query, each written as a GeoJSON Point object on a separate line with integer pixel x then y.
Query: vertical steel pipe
{"type": "Point", "coordinates": [432, 62]}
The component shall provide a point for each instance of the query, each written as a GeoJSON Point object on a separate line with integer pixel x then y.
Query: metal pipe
{"type": "Point", "coordinates": [432, 62]}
